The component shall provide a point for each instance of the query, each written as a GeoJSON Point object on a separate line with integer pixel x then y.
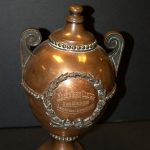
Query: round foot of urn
{"type": "Point", "coordinates": [60, 145]}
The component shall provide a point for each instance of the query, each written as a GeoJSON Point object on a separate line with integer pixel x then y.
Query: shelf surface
{"type": "Point", "coordinates": [112, 136]}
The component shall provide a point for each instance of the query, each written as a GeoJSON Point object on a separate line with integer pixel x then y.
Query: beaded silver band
{"type": "Point", "coordinates": [74, 48]}
{"type": "Point", "coordinates": [63, 138]}
{"type": "Point", "coordinates": [32, 92]}
{"type": "Point", "coordinates": [41, 96]}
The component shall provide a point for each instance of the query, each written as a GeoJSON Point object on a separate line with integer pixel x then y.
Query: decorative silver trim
{"type": "Point", "coordinates": [46, 97]}
{"type": "Point", "coordinates": [31, 91]}
{"type": "Point", "coordinates": [41, 96]}
{"type": "Point", "coordinates": [74, 48]}
{"type": "Point", "coordinates": [79, 122]}
{"type": "Point", "coordinates": [111, 94]}
{"type": "Point", "coordinates": [29, 38]}
{"type": "Point", "coordinates": [115, 41]}
{"type": "Point", "coordinates": [63, 138]}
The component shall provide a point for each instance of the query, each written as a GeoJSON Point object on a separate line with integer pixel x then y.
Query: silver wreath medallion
{"type": "Point", "coordinates": [79, 122]}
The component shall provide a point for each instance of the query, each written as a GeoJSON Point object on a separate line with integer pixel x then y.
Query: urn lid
{"type": "Point", "coordinates": [73, 35]}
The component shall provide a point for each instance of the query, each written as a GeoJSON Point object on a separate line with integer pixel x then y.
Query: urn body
{"type": "Point", "coordinates": [69, 77]}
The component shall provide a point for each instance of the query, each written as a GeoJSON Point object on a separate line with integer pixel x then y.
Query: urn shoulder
{"type": "Point", "coordinates": [70, 48]}
{"type": "Point", "coordinates": [47, 63]}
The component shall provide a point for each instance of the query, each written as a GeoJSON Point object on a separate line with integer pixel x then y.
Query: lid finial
{"type": "Point", "coordinates": [75, 14]}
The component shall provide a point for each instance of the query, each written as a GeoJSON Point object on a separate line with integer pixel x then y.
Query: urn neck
{"type": "Point", "coordinates": [73, 28]}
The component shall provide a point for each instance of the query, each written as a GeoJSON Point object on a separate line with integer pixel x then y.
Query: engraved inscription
{"type": "Point", "coordinates": [63, 96]}
{"type": "Point", "coordinates": [74, 102]}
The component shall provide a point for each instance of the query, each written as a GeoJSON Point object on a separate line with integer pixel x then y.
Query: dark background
{"type": "Point", "coordinates": [130, 17]}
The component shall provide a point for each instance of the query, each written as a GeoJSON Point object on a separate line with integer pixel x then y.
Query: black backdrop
{"type": "Point", "coordinates": [131, 17]}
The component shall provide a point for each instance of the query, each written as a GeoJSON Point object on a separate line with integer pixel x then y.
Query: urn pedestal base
{"type": "Point", "coordinates": [60, 145]}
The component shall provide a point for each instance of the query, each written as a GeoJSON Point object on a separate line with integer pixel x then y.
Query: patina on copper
{"type": "Point", "coordinates": [69, 78]}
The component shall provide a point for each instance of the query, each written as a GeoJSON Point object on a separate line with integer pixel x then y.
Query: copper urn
{"type": "Point", "coordinates": [69, 78]}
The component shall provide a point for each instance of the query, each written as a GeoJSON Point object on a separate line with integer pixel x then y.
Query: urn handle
{"type": "Point", "coordinates": [114, 41]}
{"type": "Point", "coordinates": [29, 38]}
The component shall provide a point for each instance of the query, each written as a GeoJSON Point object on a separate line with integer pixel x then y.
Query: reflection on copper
{"type": "Point", "coordinates": [79, 36]}
{"type": "Point", "coordinates": [58, 58]}
{"type": "Point", "coordinates": [73, 27]}
{"type": "Point", "coordinates": [100, 70]}
{"type": "Point", "coordinates": [43, 67]}
{"type": "Point", "coordinates": [101, 59]}
{"type": "Point", "coordinates": [68, 34]}
{"type": "Point", "coordinates": [67, 83]}
{"type": "Point", "coordinates": [82, 58]}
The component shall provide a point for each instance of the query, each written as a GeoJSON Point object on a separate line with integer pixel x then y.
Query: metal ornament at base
{"type": "Point", "coordinates": [69, 78]}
